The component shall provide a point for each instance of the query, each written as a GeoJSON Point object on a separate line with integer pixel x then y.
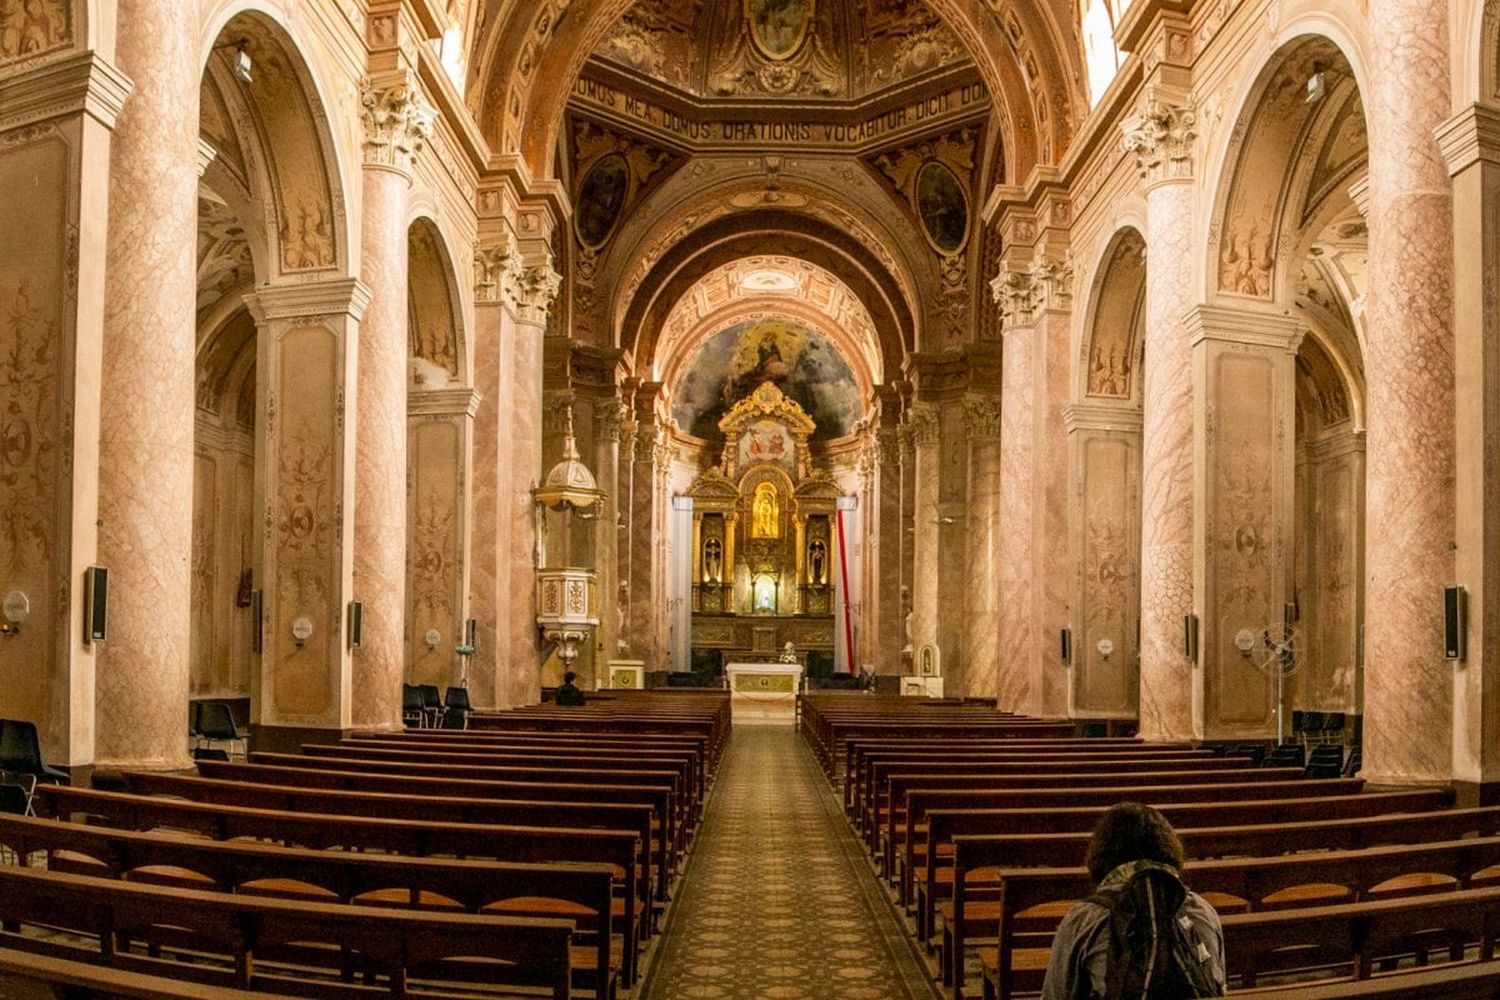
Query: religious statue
{"type": "Point", "coordinates": [788, 653]}
{"type": "Point", "coordinates": [713, 560]}
{"type": "Point", "coordinates": [816, 553]}
{"type": "Point", "coordinates": [764, 520]}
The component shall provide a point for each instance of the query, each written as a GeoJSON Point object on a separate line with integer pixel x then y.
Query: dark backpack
{"type": "Point", "coordinates": [1153, 952]}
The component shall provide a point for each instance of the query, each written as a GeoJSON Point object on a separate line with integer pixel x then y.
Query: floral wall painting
{"type": "Point", "coordinates": [942, 207]}
{"type": "Point", "coordinates": [778, 27]}
{"type": "Point", "coordinates": [802, 363]}
{"type": "Point", "coordinates": [600, 198]}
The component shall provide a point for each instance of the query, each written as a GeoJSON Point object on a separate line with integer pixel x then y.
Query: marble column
{"type": "Point", "coordinates": [884, 567]}
{"type": "Point", "coordinates": [523, 424]}
{"type": "Point", "coordinates": [1244, 364]}
{"type": "Point", "coordinates": [497, 272]}
{"type": "Point", "coordinates": [1161, 136]}
{"type": "Point", "coordinates": [1409, 375]}
{"type": "Point", "coordinates": [396, 120]}
{"type": "Point", "coordinates": [55, 122]}
{"type": "Point", "coordinates": [924, 426]}
{"type": "Point", "coordinates": [608, 416]}
{"type": "Point", "coordinates": [982, 610]}
{"type": "Point", "coordinates": [1471, 144]}
{"type": "Point", "coordinates": [146, 400]}
{"type": "Point", "coordinates": [1051, 281]}
{"type": "Point", "coordinates": [1017, 663]}
{"type": "Point", "coordinates": [1104, 443]}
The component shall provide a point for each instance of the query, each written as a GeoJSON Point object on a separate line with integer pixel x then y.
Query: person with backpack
{"type": "Point", "coordinates": [1142, 934]}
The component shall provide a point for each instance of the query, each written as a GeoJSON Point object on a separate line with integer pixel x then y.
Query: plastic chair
{"type": "Point", "coordinates": [1354, 763]}
{"type": "Point", "coordinates": [1327, 761]}
{"type": "Point", "coordinates": [432, 704]}
{"type": "Point", "coordinates": [1254, 751]}
{"type": "Point", "coordinates": [216, 725]}
{"type": "Point", "coordinates": [412, 713]}
{"type": "Point", "coordinates": [456, 708]}
{"type": "Point", "coordinates": [1287, 755]}
{"type": "Point", "coordinates": [1309, 726]}
{"type": "Point", "coordinates": [21, 752]}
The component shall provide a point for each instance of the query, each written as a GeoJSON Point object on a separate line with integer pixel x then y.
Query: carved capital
{"type": "Point", "coordinates": [610, 417]}
{"type": "Point", "coordinates": [397, 120]}
{"type": "Point", "coordinates": [1051, 284]}
{"type": "Point", "coordinates": [557, 410]}
{"type": "Point", "coordinates": [888, 446]}
{"type": "Point", "coordinates": [1011, 289]}
{"type": "Point", "coordinates": [1161, 135]}
{"type": "Point", "coordinates": [923, 424]}
{"type": "Point", "coordinates": [497, 270]}
{"type": "Point", "coordinates": [982, 417]}
{"type": "Point", "coordinates": [534, 289]}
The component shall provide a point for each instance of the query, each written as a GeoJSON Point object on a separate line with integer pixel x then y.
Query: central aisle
{"type": "Point", "coordinates": [778, 901]}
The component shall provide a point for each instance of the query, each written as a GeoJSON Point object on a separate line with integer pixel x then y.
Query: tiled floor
{"type": "Point", "coordinates": [779, 902]}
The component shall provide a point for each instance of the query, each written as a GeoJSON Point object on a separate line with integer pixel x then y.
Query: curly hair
{"type": "Point", "coordinates": [1131, 831]}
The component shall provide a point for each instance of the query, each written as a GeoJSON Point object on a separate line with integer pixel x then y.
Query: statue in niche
{"type": "Point", "coordinates": [765, 515]}
{"type": "Point", "coordinates": [817, 554]}
{"type": "Point", "coordinates": [713, 560]}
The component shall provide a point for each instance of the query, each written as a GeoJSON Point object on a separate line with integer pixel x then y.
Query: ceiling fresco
{"type": "Point", "coordinates": [804, 364]}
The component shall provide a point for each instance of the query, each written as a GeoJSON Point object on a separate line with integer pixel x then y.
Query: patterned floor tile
{"type": "Point", "coordinates": [778, 901]}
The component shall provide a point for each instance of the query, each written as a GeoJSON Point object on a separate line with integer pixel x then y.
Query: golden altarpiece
{"type": "Point", "coordinates": [763, 537]}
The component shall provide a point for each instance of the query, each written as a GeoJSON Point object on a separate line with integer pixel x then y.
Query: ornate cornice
{"type": "Point", "coordinates": [1161, 135]}
{"type": "Point", "coordinates": [498, 270]}
{"type": "Point", "coordinates": [397, 120]}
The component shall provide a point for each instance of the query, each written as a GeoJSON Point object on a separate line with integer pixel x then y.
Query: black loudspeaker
{"type": "Point", "coordinates": [356, 624]}
{"type": "Point", "coordinates": [257, 621]}
{"type": "Point", "coordinates": [95, 603]}
{"type": "Point", "coordinates": [1065, 645]}
{"type": "Point", "coordinates": [1190, 637]}
{"type": "Point", "coordinates": [1455, 623]}
{"type": "Point", "coordinates": [471, 632]}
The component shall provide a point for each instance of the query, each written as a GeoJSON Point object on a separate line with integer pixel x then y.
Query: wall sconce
{"type": "Point", "coordinates": [432, 638]}
{"type": "Point", "coordinates": [302, 630]}
{"type": "Point", "coordinates": [1105, 648]}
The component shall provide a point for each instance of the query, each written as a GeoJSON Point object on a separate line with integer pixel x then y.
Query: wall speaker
{"type": "Point", "coordinates": [257, 621]}
{"type": "Point", "coordinates": [1455, 623]}
{"type": "Point", "coordinates": [95, 603]}
{"type": "Point", "coordinates": [1065, 645]}
{"type": "Point", "coordinates": [471, 632]}
{"type": "Point", "coordinates": [1190, 637]}
{"type": "Point", "coordinates": [356, 624]}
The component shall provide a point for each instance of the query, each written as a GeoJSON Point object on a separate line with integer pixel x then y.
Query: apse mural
{"type": "Point", "coordinates": [802, 363]}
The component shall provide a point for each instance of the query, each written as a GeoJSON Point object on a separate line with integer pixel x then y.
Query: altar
{"type": "Point", "coordinates": [764, 691]}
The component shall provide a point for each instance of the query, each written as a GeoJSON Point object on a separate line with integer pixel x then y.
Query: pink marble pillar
{"type": "Point", "coordinates": [885, 564]}
{"type": "Point", "coordinates": [1051, 373]}
{"type": "Point", "coordinates": [1161, 136]}
{"type": "Point", "coordinates": [924, 425]}
{"type": "Point", "coordinates": [1017, 685]}
{"type": "Point", "coordinates": [608, 417]}
{"type": "Point", "coordinates": [146, 398]}
{"type": "Point", "coordinates": [538, 285]}
{"type": "Point", "coordinates": [1471, 144]}
{"type": "Point", "coordinates": [497, 266]}
{"type": "Point", "coordinates": [982, 610]}
{"type": "Point", "coordinates": [396, 121]}
{"type": "Point", "coordinates": [1409, 372]}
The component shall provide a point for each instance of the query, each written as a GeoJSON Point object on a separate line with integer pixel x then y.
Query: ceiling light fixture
{"type": "Point", "coordinates": [242, 64]}
{"type": "Point", "coordinates": [1316, 85]}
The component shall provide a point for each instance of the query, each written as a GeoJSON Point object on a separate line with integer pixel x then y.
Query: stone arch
{"type": "Point", "coordinates": [1025, 57]}
{"type": "Point", "coordinates": [1113, 340]}
{"type": "Point", "coordinates": [755, 232]}
{"type": "Point", "coordinates": [1476, 59]}
{"type": "Point", "coordinates": [292, 166]}
{"type": "Point", "coordinates": [436, 324]}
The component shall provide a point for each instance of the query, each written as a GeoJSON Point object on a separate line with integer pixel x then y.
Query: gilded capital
{"type": "Point", "coordinates": [397, 120]}
{"type": "Point", "coordinates": [1161, 135]}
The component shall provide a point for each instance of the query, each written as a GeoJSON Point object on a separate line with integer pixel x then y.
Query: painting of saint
{"type": "Point", "coordinates": [942, 207]}
{"type": "Point", "coordinates": [778, 27]}
{"type": "Point", "coordinates": [600, 198]}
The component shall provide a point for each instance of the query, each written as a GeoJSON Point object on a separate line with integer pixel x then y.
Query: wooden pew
{"type": "Point", "coordinates": [979, 859]}
{"type": "Point", "coordinates": [48, 977]}
{"type": "Point", "coordinates": [1472, 981]}
{"type": "Point", "coordinates": [1254, 884]}
{"type": "Point", "coordinates": [356, 794]}
{"type": "Point", "coordinates": [1182, 813]}
{"type": "Point", "coordinates": [579, 892]}
{"type": "Point", "coordinates": [902, 836]}
{"type": "Point", "coordinates": [238, 930]}
{"type": "Point", "coordinates": [620, 849]}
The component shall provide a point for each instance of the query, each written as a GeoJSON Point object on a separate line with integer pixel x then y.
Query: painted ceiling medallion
{"type": "Point", "coordinates": [768, 280]}
{"type": "Point", "coordinates": [600, 198]}
{"type": "Point", "coordinates": [942, 206]}
{"type": "Point", "coordinates": [779, 27]}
